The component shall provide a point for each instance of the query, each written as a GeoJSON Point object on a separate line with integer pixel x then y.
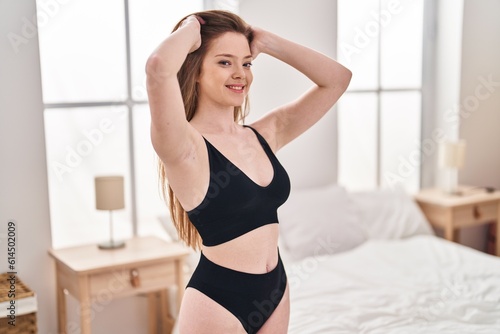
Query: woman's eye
{"type": "Point", "coordinates": [248, 65]}
{"type": "Point", "coordinates": [224, 62]}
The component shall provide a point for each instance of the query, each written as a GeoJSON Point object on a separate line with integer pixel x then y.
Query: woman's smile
{"type": "Point", "coordinates": [239, 89]}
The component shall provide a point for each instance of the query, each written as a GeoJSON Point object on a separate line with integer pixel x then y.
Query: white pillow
{"type": "Point", "coordinates": [318, 221]}
{"type": "Point", "coordinates": [390, 214]}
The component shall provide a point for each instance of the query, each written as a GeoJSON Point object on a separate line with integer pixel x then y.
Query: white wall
{"type": "Point", "coordinates": [480, 119]}
{"type": "Point", "coordinates": [23, 173]}
{"type": "Point", "coordinates": [480, 125]}
{"type": "Point", "coordinates": [448, 66]}
{"type": "Point", "coordinates": [311, 159]}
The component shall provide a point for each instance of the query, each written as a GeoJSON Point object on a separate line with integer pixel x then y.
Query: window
{"type": "Point", "coordinates": [379, 116]}
{"type": "Point", "coordinates": [93, 56]}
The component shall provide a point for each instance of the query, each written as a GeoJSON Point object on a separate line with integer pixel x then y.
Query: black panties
{"type": "Point", "coordinates": [251, 298]}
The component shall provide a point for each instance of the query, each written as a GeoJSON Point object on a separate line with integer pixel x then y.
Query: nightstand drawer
{"type": "Point", "coordinates": [474, 214]}
{"type": "Point", "coordinates": [133, 279]}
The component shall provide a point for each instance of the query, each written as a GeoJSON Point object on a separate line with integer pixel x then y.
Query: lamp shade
{"type": "Point", "coordinates": [109, 193]}
{"type": "Point", "coordinates": [452, 154]}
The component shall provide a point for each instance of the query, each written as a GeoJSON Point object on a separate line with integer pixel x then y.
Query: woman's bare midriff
{"type": "Point", "coordinates": [255, 252]}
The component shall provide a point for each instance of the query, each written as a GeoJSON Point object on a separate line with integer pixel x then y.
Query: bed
{"type": "Point", "coordinates": [368, 262]}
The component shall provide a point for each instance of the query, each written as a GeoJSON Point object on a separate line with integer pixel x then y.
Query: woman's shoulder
{"type": "Point", "coordinates": [267, 130]}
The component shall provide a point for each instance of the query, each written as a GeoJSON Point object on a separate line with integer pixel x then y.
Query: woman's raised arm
{"type": "Point", "coordinates": [171, 134]}
{"type": "Point", "coordinates": [331, 79]}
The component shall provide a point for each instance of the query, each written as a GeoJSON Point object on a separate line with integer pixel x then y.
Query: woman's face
{"type": "Point", "coordinates": [226, 76]}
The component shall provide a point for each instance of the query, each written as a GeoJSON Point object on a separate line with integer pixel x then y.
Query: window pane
{"type": "Point", "coordinates": [82, 50]}
{"type": "Point", "coordinates": [357, 122]}
{"type": "Point", "coordinates": [358, 38]}
{"type": "Point", "coordinates": [150, 23]}
{"type": "Point", "coordinates": [82, 143]}
{"type": "Point", "coordinates": [150, 205]}
{"type": "Point", "coordinates": [400, 139]}
{"type": "Point", "coordinates": [401, 44]}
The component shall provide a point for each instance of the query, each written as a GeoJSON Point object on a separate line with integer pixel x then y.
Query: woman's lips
{"type": "Point", "coordinates": [236, 88]}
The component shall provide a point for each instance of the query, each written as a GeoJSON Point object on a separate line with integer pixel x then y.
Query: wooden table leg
{"type": "Point", "coordinates": [85, 306]}
{"type": "Point", "coordinates": [85, 316]}
{"type": "Point", "coordinates": [497, 241]}
{"type": "Point", "coordinates": [179, 269]}
{"type": "Point", "coordinates": [167, 321]}
{"type": "Point", "coordinates": [153, 315]}
{"type": "Point", "coordinates": [61, 305]}
{"type": "Point", "coordinates": [448, 227]}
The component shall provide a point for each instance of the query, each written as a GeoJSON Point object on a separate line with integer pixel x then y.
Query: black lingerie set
{"type": "Point", "coordinates": [235, 205]}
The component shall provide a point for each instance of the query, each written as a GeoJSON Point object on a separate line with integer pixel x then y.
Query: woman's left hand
{"type": "Point", "coordinates": [258, 44]}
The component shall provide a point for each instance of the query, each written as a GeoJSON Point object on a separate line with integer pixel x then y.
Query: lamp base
{"type": "Point", "coordinates": [111, 244]}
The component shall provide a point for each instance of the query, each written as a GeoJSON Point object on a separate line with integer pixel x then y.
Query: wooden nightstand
{"type": "Point", "coordinates": [451, 212]}
{"type": "Point", "coordinates": [94, 276]}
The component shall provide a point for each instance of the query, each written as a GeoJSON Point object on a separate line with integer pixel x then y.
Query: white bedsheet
{"type": "Point", "coordinates": [423, 284]}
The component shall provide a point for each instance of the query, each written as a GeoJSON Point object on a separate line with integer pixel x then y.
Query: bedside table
{"type": "Point", "coordinates": [451, 212]}
{"type": "Point", "coordinates": [94, 276]}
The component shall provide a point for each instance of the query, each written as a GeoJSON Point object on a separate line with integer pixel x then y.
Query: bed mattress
{"type": "Point", "coordinates": [422, 284]}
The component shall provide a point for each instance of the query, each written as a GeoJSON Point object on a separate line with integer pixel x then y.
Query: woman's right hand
{"type": "Point", "coordinates": [195, 22]}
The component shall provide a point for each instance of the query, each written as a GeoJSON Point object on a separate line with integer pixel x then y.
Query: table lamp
{"type": "Point", "coordinates": [452, 158]}
{"type": "Point", "coordinates": [109, 196]}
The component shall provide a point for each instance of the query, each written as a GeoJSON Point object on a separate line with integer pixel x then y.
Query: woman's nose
{"type": "Point", "coordinates": [239, 74]}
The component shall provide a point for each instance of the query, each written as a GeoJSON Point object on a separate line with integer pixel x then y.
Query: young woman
{"type": "Point", "coordinates": [224, 181]}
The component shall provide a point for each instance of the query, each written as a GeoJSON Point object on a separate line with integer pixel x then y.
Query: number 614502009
{"type": "Point", "coordinates": [11, 242]}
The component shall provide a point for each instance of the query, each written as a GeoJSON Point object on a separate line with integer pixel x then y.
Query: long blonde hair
{"type": "Point", "coordinates": [217, 22]}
